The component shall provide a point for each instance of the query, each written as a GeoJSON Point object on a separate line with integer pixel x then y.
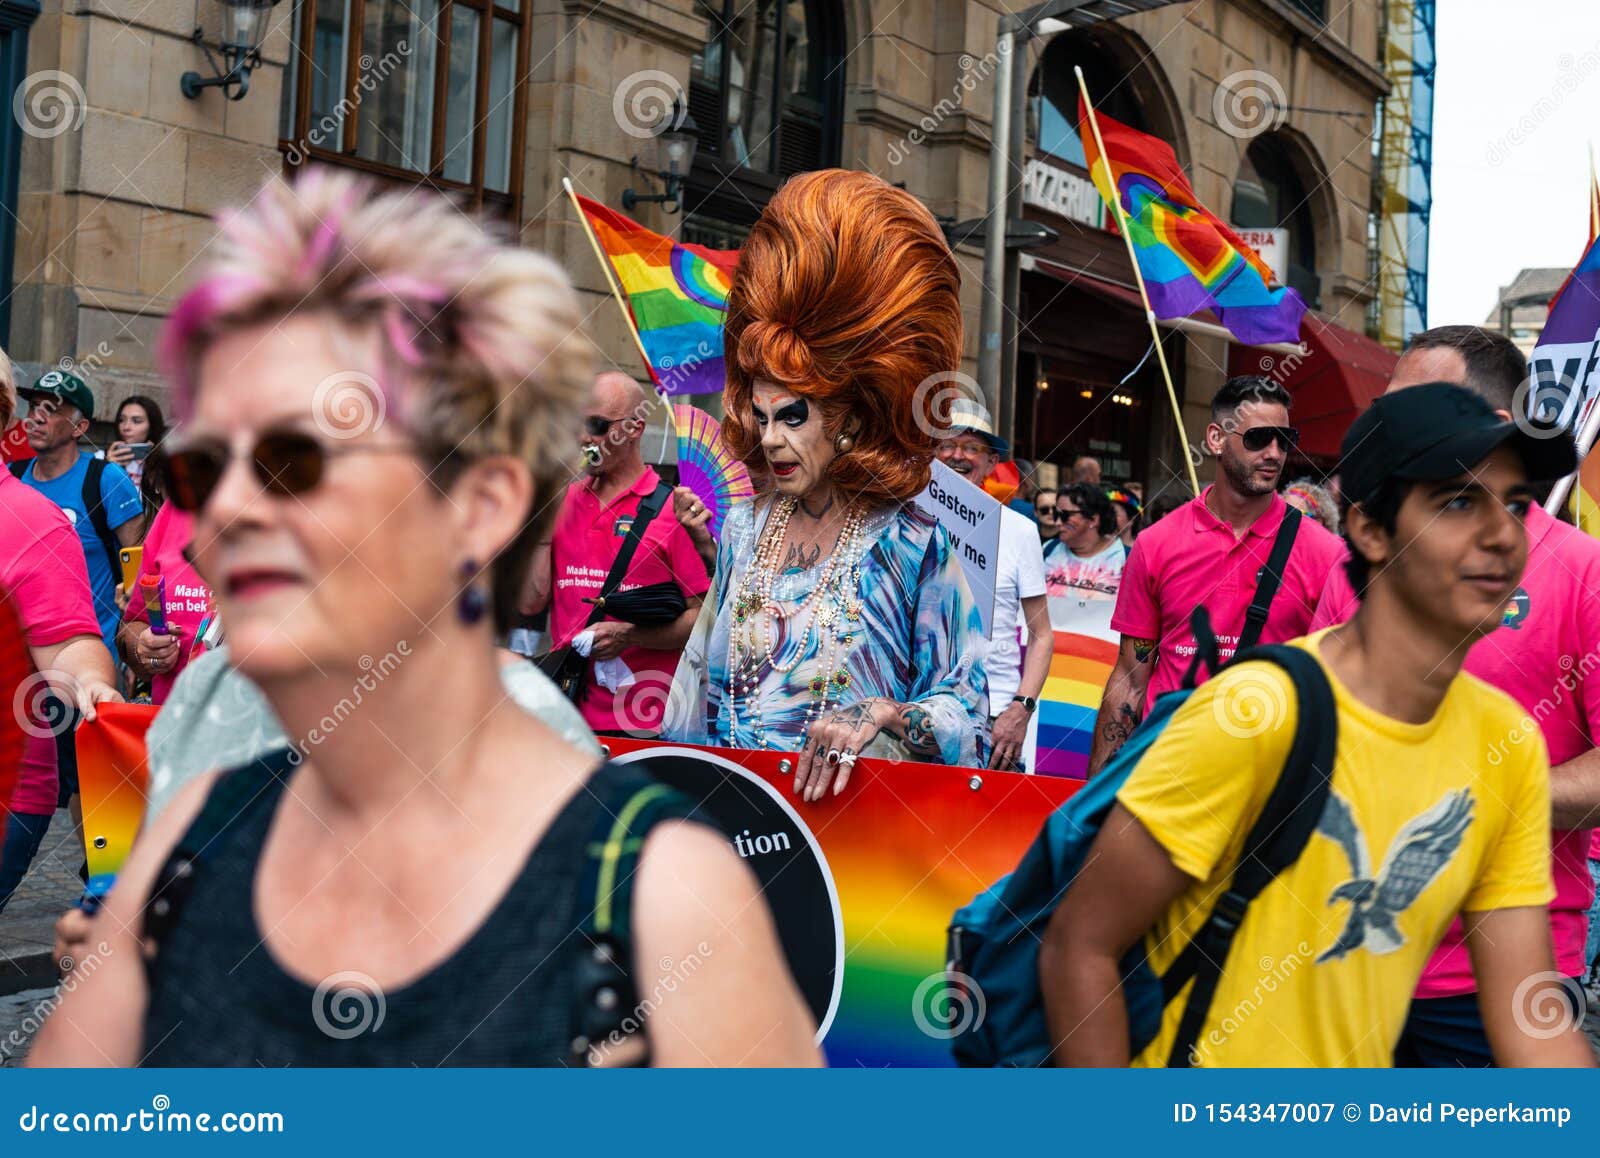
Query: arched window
{"type": "Point", "coordinates": [1269, 194]}
{"type": "Point", "coordinates": [765, 93]}
{"type": "Point", "coordinates": [426, 88]}
{"type": "Point", "coordinates": [1053, 93]}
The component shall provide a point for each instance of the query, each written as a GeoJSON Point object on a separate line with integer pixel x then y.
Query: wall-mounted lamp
{"type": "Point", "coordinates": [244, 27]}
{"type": "Point", "coordinates": [669, 154]}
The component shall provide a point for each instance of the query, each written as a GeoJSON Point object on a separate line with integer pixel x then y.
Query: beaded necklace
{"type": "Point", "coordinates": [832, 615]}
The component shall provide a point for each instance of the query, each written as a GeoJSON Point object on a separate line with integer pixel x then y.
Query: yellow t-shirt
{"type": "Point", "coordinates": [1420, 825]}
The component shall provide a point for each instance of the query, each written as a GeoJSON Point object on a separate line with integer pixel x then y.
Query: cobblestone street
{"type": "Point", "coordinates": [27, 925]}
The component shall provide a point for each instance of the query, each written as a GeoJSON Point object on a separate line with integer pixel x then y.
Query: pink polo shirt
{"type": "Point", "coordinates": [1192, 557]}
{"type": "Point", "coordinates": [1543, 656]}
{"type": "Point", "coordinates": [585, 544]}
{"type": "Point", "coordinates": [187, 602]}
{"type": "Point", "coordinates": [42, 568]}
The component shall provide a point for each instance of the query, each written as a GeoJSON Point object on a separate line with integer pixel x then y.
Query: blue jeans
{"type": "Point", "coordinates": [24, 832]}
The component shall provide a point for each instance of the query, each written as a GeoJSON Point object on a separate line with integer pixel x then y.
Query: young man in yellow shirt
{"type": "Point", "coordinates": [1420, 824]}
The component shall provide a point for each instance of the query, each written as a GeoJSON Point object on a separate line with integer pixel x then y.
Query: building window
{"type": "Point", "coordinates": [1269, 194]}
{"type": "Point", "coordinates": [411, 89]}
{"type": "Point", "coordinates": [1053, 94]}
{"type": "Point", "coordinates": [765, 92]}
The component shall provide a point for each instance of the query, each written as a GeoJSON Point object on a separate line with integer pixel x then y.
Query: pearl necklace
{"type": "Point", "coordinates": [832, 612]}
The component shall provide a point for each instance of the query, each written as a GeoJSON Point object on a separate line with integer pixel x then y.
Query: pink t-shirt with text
{"type": "Point", "coordinates": [42, 568]}
{"type": "Point", "coordinates": [1543, 656]}
{"type": "Point", "coordinates": [586, 541]}
{"type": "Point", "coordinates": [186, 600]}
{"type": "Point", "coordinates": [1192, 557]}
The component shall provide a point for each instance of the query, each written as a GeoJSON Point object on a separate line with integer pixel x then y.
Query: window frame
{"type": "Point", "coordinates": [475, 191]}
{"type": "Point", "coordinates": [714, 175]}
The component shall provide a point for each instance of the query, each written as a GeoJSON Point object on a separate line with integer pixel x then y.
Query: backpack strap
{"type": "Point", "coordinates": [1255, 619]}
{"type": "Point", "coordinates": [1275, 842]}
{"type": "Point", "coordinates": [235, 797]}
{"type": "Point", "coordinates": [94, 502]}
{"type": "Point", "coordinates": [18, 469]}
{"type": "Point", "coordinates": [649, 507]}
{"type": "Point", "coordinates": [605, 1014]}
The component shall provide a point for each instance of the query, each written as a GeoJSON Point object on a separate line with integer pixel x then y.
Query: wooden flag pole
{"type": "Point", "coordinates": [1144, 296]}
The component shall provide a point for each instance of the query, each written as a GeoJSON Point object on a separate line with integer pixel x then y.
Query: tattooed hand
{"type": "Point", "coordinates": [832, 743]}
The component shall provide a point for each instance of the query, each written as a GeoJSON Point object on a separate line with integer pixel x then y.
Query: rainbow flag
{"type": "Point", "coordinates": [1586, 495]}
{"type": "Point", "coordinates": [112, 775]}
{"type": "Point", "coordinates": [677, 294]}
{"type": "Point", "coordinates": [1189, 259]}
{"type": "Point", "coordinates": [1080, 665]}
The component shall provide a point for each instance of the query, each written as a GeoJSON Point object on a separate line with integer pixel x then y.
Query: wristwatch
{"type": "Point", "coordinates": [1030, 704]}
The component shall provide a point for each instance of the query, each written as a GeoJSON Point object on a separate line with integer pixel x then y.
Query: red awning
{"type": "Point", "coordinates": [1337, 379]}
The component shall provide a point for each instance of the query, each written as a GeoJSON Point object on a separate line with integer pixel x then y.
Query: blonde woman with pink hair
{"type": "Point", "coordinates": [379, 398]}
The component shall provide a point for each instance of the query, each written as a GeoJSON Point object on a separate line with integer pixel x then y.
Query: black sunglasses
{"type": "Point", "coordinates": [1066, 514]}
{"type": "Point", "coordinates": [597, 426]}
{"type": "Point", "coordinates": [1260, 437]}
{"type": "Point", "coordinates": [286, 462]}
{"type": "Point", "coordinates": [1045, 512]}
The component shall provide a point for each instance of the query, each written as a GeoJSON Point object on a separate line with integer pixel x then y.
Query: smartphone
{"type": "Point", "coordinates": [140, 450]}
{"type": "Point", "coordinates": [131, 558]}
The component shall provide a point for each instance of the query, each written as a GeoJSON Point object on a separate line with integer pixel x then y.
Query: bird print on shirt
{"type": "Point", "coordinates": [1421, 850]}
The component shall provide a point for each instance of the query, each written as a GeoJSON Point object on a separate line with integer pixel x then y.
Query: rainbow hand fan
{"type": "Point", "coordinates": [707, 467]}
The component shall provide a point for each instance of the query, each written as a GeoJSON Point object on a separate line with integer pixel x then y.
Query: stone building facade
{"type": "Point", "coordinates": [112, 209]}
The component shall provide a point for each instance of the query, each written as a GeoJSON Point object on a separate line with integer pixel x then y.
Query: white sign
{"type": "Point", "coordinates": [971, 517]}
{"type": "Point", "coordinates": [1273, 246]}
{"type": "Point", "coordinates": [1062, 193]}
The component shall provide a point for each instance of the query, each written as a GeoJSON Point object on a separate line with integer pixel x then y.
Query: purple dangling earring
{"type": "Point", "coordinates": [473, 602]}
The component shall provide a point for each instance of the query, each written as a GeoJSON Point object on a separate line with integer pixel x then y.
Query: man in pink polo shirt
{"type": "Point", "coordinates": [1211, 552]}
{"type": "Point", "coordinates": [1545, 657]}
{"type": "Point", "coordinates": [42, 571]}
{"type": "Point", "coordinates": [596, 515]}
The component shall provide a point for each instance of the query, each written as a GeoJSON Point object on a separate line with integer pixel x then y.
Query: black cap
{"type": "Point", "coordinates": [1439, 431]}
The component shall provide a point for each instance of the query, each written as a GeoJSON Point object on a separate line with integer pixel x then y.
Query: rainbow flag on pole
{"type": "Point", "coordinates": [677, 294]}
{"type": "Point", "coordinates": [1189, 259]}
{"type": "Point", "coordinates": [1079, 668]}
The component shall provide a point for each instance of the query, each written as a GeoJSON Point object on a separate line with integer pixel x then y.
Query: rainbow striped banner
{"type": "Point", "coordinates": [1079, 668]}
{"type": "Point", "coordinates": [677, 294]}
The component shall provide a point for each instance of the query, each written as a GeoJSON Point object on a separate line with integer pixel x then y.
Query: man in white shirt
{"type": "Point", "coordinates": [973, 450]}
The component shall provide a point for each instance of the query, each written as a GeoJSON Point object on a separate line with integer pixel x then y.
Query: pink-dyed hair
{"type": "Point", "coordinates": [483, 346]}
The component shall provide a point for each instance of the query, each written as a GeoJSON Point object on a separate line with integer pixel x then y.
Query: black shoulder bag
{"type": "Point", "coordinates": [565, 667]}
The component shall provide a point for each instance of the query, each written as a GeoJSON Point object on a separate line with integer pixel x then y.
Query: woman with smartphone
{"type": "Point", "coordinates": [141, 429]}
{"type": "Point", "coordinates": [380, 401]}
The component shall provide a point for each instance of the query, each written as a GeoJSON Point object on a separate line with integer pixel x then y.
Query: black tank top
{"type": "Point", "coordinates": [217, 997]}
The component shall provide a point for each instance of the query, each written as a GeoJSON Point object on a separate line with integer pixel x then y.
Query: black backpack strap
{"type": "Point", "coordinates": [1205, 646]}
{"type": "Point", "coordinates": [606, 1014]}
{"type": "Point", "coordinates": [94, 503]}
{"type": "Point", "coordinates": [1255, 619]}
{"type": "Point", "coordinates": [18, 469]}
{"type": "Point", "coordinates": [1279, 835]}
{"type": "Point", "coordinates": [236, 795]}
{"type": "Point", "coordinates": [649, 507]}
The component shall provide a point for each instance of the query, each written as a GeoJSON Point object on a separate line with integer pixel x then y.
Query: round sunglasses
{"type": "Point", "coordinates": [286, 462]}
{"type": "Point", "coordinates": [1260, 437]}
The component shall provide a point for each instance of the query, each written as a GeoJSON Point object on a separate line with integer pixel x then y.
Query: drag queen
{"type": "Point", "coordinates": [838, 624]}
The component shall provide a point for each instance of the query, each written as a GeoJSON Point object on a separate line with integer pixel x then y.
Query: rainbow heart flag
{"type": "Point", "coordinates": [1189, 259]}
{"type": "Point", "coordinates": [677, 294]}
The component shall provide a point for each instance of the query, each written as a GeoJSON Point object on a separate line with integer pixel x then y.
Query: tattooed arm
{"type": "Point", "coordinates": [1122, 705]}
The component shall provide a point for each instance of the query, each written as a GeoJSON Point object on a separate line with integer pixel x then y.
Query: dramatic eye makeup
{"type": "Point", "coordinates": [795, 413]}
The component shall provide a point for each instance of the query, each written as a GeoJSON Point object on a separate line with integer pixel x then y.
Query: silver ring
{"type": "Point", "coordinates": [847, 758]}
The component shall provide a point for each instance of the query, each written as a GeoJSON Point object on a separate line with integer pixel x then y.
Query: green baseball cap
{"type": "Point", "coordinates": [69, 388]}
